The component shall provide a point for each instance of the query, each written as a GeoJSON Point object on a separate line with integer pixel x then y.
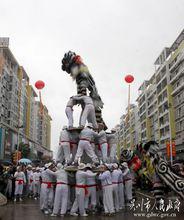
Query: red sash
{"type": "Point", "coordinates": [83, 139]}
{"type": "Point", "coordinates": [61, 183]}
{"type": "Point", "coordinates": [92, 185]}
{"type": "Point", "coordinates": [83, 187]}
{"type": "Point", "coordinates": [115, 182]}
{"type": "Point", "coordinates": [49, 184]}
{"type": "Point", "coordinates": [20, 182]}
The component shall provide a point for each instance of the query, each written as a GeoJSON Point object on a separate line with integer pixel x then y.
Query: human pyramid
{"type": "Point", "coordinates": [88, 177]}
{"type": "Point", "coordinates": [91, 140]}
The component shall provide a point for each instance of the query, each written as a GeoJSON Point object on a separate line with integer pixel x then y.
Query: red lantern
{"type": "Point", "coordinates": [39, 84]}
{"type": "Point", "coordinates": [129, 78]}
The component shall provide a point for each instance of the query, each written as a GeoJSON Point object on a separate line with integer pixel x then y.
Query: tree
{"type": "Point", "coordinates": [25, 150]}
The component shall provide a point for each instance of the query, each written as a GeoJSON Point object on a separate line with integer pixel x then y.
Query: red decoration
{"type": "Point", "coordinates": [173, 149]}
{"type": "Point", "coordinates": [77, 59]}
{"type": "Point", "coordinates": [129, 78]}
{"type": "Point", "coordinates": [39, 84]}
{"type": "Point", "coordinates": [168, 149]}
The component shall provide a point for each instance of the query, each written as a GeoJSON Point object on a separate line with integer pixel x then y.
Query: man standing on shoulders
{"type": "Point", "coordinates": [86, 136]}
{"type": "Point", "coordinates": [102, 139]}
{"type": "Point", "coordinates": [111, 138]}
{"type": "Point", "coordinates": [64, 146]}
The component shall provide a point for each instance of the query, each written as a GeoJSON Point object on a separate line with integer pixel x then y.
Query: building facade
{"type": "Point", "coordinates": [129, 128]}
{"type": "Point", "coordinates": [18, 109]}
{"type": "Point", "coordinates": [160, 103]}
{"type": "Point", "coordinates": [176, 69]}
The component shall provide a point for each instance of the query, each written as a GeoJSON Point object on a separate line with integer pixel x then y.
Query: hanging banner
{"type": "Point", "coordinates": [168, 148]}
{"type": "Point", "coordinates": [173, 149]}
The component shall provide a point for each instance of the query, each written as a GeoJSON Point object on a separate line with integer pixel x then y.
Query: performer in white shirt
{"type": "Point", "coordinates": [20, 180]}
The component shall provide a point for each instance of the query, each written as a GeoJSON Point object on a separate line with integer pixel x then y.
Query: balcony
{"type": "Point", "coordinates": [161, 114]}
{"type": "Point", "coordinates": [152, 102]}
{"type": "Point", "coordinates": [178, 89]}
{"type": "Point", "coordinates": [165, 99]}
{"type": "Point", "coordinates": [163, 125]}
{"type": "Point", "coordinates": [152, 112]}
{"type": "Point", "coordinates": [165, 136]}
{"type": "Point", "coordinates": [179, 74]}
{"type": "Point", "coordinates": [176, 62]}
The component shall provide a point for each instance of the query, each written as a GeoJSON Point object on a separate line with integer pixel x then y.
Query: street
{"type": "Point", "coordinates": [29, 210]}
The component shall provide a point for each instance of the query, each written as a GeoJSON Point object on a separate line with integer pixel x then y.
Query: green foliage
{"type": "Point", "coordinates": [25, 150]}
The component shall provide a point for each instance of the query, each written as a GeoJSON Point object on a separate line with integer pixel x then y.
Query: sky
{"type": "Point", "coordinates": [114, 38]}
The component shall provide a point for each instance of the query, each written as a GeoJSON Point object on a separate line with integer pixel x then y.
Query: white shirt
{"type": "Point", "coordinates": [29, 175]}
{"type": "Point", "coordinates": [81, 177]}
{"type": "Point", "coordinates": [71, 103]}
{"type": "Point", "coordinates": [87, 134]}
{"type": "Point", "coordinates": [111, 139]}
{"type": "Point", "coordinates": [61, 175]}
{"type": "Point", "coordinates": [90, 180]}
{"type": "Point", "coordinates": [127, 174]}
{"type": "Point", "coordinates": [86, 99]}
{"type": "Point", "coordinates": [20, 176]}
{"type": "Point", "coordinates": [120, 176]}
{"type": "Point", "coordinates": [64, 136]}
{"type": "Point", "coordinates": [102, 138]}
{"type": "Point", "coordinates": [105, 178]}
{"type": "Point", "coordinates": [36, 177]}
{"type": "Point", "coordinates": [115, 176]}
{"type": "Point", "coordinates": [46, 176]}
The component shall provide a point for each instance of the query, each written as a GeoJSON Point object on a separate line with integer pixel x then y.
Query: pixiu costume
{"type": "Point", "coordinates": [73, 65]}
{"type": "Point", "coordinates": [134, 164]}
{"type": "Point", "coordinates": [163, 173]}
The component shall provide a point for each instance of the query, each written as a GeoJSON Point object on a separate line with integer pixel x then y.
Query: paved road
{"type": "Point", "coordinates": [29, 210]}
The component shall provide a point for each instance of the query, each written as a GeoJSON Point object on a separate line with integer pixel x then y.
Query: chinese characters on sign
{"type": "Point", "coordinates": [145, 207]}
